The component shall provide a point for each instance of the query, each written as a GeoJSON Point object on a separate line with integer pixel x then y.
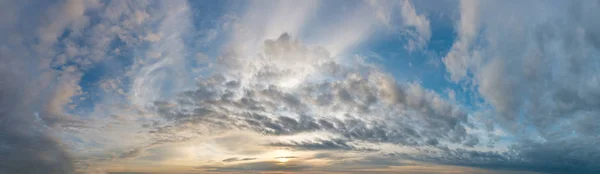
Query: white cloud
{"type": "Point", "coordinates": [268, 19]}
{"type": "Point", "coordinates": [420, 22]}
{"type": "Point", "coordinates": [154, 80]}
{"type": "Point", "coordinates": [457, 59]}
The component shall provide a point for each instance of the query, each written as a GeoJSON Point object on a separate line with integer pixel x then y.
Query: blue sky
{"type": "Point", "coordinates": [361, 86]}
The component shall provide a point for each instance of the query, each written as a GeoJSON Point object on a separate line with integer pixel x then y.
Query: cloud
{"type": "Point", "coordinates": [359, 103]}
{"type": "Point", "coordinates": [26, 144]}
{"type": "Point", "coordinates": [31, 104]}
{"type": "Point", "coordinates": [286, 157]}
{"type": "Point", "coordinates": [456, 60]}
{"type": "Point", "coordinates": [524, 65]}
{"type": "Point", "coordinates": [151, 78]}
{"type": "Point", "coordinates": [48, 57]}
{"type": "Point", "coordinates": [419, 22]}
{"type": "Point", "coordinates": [320, 144]}
{"type": "Point", "coordinates": [67, 14]}
{"type": "Point", "coordinates": [89, 84]}
{"type": "Point", "coordinates": [135, 153]}
{"type": "Point", "coordinates": [262, 20]}
{"type": "Point", "coordinates": [258, 166]}
{"type": "Point", "coordinates": [238, 159]}
{"type": "Point", "coordinates": [152, 37]}
{"type": "Point", "coordinates": [402, 18]}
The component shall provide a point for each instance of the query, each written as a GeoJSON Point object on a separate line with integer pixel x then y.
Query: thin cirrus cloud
{"type": "Point", "coordinates": [282, 86]}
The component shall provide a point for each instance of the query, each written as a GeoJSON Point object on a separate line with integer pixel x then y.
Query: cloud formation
{"type": "Point", "coordinates": [354, 104]}
{"type": "Point", "coordinates": [237, 159]}
{"type": "Point", "coordinates": [538, 78]}
{"type": "Point", "coordinates": [323, 144]}
{"type": "Point", "coordinates": [283, 86]}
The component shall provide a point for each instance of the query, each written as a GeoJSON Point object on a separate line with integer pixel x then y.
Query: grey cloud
{"type": "Point", "coordinates": [323, 155]}
{"type": "Point", "coordinates": [375, 161]}
{"type": "Point", "coordinates": [320, 144]}
{"type": "Point", "coordinates": [532, 71]}
{"type": "Point", "coordinates": [258, 167]}
{"type": "Point", "coordinates": [142, 150]}
{"type": "Point", "coordinates": [432, 141]}
{"type": "Point", "coordinates": [238, 159]}
{"type": "Point", "coordinates": [537, 157]}
{"type": "Point", "coordinates": [560, 156]}
{"type": "Point", "coordinates": [471, 141]}
{"type": "Point", "coordinates": [351, 127]}
{"type": "Point", "coordinates": [27, 144]}
{"type": "Point", "coordinates": [135, 153]}
{"type": "Point", "coordinates": [362, 164]}
{"type": "Point", "coordinates": [536, 66]}
{"type": "Point", "coordinates": [403, 15]}
{"type": "Point", "coordinates": [30, 151]}
{"type": "Point", "coordinates": [30, 98]}
{"type": "Point", "coordinates": [286, 157]}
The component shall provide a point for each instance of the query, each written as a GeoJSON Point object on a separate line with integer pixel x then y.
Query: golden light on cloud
{"type": "Point", "coordinates": [282, 153]}
{"type": "Point", "coordinates": [282, 159]}
{"type": "Point", "coordinates": [283, 156]}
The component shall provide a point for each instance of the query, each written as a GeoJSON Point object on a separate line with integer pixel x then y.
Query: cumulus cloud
{"type": "Point", "coordinates": [419, 22]}
{"type": "Point", "coordinates": [358, 103]}
{"type": "Point", "coordinates": [402, 17]}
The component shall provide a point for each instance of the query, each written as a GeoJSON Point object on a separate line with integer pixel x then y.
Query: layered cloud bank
{"type": "Point", "coordinates": [299, 86]}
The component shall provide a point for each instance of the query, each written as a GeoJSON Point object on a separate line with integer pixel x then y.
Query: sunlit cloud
{"type": "Point", "coordinates": [286, 86]}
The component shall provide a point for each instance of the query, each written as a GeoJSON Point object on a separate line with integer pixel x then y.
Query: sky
{"type": "Point", "coordinates": [299, 86]}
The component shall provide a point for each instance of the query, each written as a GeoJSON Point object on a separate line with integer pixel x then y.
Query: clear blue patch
{"type": "Point", "coordinates": [424, 66]}
{"type": "Point", "coordinates": [114, 65]}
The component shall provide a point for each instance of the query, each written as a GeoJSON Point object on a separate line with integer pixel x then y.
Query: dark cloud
{"type": "Point", "coordinates": [320, 144]}
{"type": "Point", "coordinates": [537, 158]}
{"type": "Point", "coordinates": [142, 150]}
{"type": "Point", "coordinates": [135, 153]}
{"type": "Point", "coordinates": [28, 117]}
{"type": "Point", "coordinates": [363, 164]}
{"type": "Point", "coordinates": [258, 167]}
{"type": "Point", "coordinates": [287, 157]}
{"type": "Point", "coordinates": [27, 144]}
{"type": "Point", "coordinates": [238, 159]}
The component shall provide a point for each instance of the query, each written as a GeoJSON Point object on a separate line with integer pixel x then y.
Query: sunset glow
{"type": "Point", "coordinates": [299, 86]}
